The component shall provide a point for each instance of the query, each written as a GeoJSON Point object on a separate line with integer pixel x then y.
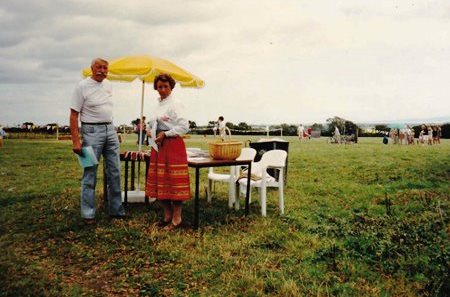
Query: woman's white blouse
{"type": "Point", "coordinates": [169, 115]}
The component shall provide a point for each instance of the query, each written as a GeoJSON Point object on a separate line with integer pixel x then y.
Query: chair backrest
{"type": "Point", "coordinates": [247, 153]}
{"type": "Point", "coordinates": [274, 158]}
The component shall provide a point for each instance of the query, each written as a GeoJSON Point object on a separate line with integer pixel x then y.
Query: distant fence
{"type": "Point", "coordinates": [210, 131]}
{"type": "Point", "coordinates": [36, 135]}
{"type": "Point", "coordinates": [37, 132]}
{"type": "Point", "coordinates": [265, 132]}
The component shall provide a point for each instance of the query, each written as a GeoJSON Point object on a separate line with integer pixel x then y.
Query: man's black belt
{"type": "Point", "coordinates": [103, 123]}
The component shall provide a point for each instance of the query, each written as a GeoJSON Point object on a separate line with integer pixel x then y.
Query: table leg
{"type": "Point", "coordinates": [237, 202]}
{"type": "Point", "coordinates": [133, 169]}
{"type": "Point", "coordinates": [126, 184]}
{"type": "Point", "coordinates": [247, 195]}
{"type": "Point", "coordinates": [145, 184]}
{"type": "Point", "coordinates": [196, 206]}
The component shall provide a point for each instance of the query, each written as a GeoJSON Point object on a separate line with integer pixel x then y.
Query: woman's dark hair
{"type": "Point", "coordinates": [164, 78]}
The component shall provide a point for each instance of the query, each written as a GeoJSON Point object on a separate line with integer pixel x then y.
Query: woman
{"type": "Point", "coordinates": [424, 134]}
{"type": "Point", "coordinates": [430, 135]}
{"type": "Point", "coordinates": [435, 134]}
{"type": "Point", "coordinates": [168, 176]}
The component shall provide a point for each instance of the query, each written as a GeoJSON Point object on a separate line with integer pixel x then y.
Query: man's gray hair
{"type": "Point", "coordinates": [95, 60]}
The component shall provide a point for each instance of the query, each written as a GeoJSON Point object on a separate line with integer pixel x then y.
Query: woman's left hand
{"type": "Point", "coordinates": [159, 139]}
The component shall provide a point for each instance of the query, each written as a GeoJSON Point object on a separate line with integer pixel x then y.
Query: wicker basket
{"type": "Point", "coordinates": [225, 150]}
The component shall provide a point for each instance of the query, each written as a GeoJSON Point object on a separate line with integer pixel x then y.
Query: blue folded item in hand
{"type": "Point", "coordinates": [87, 158]}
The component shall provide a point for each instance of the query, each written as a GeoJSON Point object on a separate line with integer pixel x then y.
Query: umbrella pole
{"type": "Point", "coordinates": [142, 115]}
{"type": "Point", "coordinates": [140, 134]}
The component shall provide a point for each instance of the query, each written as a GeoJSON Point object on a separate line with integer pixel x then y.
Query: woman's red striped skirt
{"type": "Point", "coordinates": [168, 174]}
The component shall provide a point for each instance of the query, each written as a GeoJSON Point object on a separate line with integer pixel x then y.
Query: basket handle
{"type": "Point", "coordinates": [226, 129]}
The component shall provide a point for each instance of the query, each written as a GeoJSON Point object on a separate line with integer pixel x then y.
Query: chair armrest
{"type": "Point", "coordinates": [279, 168]}
{"type": "Point", "coordinates": [276, 167]}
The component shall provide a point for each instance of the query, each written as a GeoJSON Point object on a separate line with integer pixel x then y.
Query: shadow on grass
{"type": "Point", "coordinates": [11, 199]}
{"type": "Point", "coordinates": [20, 278]}
{"type": "Point", "coordinates": [217, 214]}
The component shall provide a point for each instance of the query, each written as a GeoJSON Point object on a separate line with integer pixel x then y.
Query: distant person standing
{"type": "Point", "coordinates": [136, 130]}
{"type": "Point", "coordinates": [385, 138]}
{"type": "Point", "coordinates": [409, 135]}
{"type": "Point", "coordinates": [395, 135]}
{"type": "Point", "coordinates": [430, 135]}
{"type": "Point", "coordinates": [92, 103]}
{"type": "Point", "coordinates": [337, 135]}
{"type": "Point", "coordinates": [439, 134]}
{"type": "Point", "coordinates": [2, 135]}
{"type": "Point", "coordinates": [300, 132]}
{"type": "Point", "coordinates": [145, 137]}
{"type": "Point", "coordinates": [221, 127]}
{"type": "Point", "coordinates": [422, 139]}
{"type": "Point", "coordinates": [435, 134]}
{"type": "Point", "coordinates": [401, 136]}
{"type": "Point", "coordinates": [424, 134]}
{"type": "Point", "coordinates": [141, 130]}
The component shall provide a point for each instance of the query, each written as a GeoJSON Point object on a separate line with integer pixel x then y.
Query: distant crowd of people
{"type": "Point", "coordinates": [428, 135]}
{"type": "Point", "coordinates": [304, 134]}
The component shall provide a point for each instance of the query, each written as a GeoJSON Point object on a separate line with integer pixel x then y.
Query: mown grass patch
{"type": "Point", "coordinates": [361, 220]}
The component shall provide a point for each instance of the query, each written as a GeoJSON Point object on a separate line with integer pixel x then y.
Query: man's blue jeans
{"type": "Point", "coordinates": [104, 141]}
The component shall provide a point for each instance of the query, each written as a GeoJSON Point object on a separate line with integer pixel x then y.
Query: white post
{"type": "Point", "coordinates": [57, 132]}
{"type": "Point", "coordinates": [231, 182]}
{"type": "Point", "coordinates": [280, 190]}
{"type": "Point", "coordinates": [138, 188]}
{"type": "Point", "coordinates": [142, 115]}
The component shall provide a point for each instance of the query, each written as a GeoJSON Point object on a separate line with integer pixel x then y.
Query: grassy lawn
{"type": "Point", "coordinates": [361, 220]}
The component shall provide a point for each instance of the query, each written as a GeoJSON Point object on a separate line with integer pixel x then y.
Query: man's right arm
{"type": "Point", "coordinates": [76, 144]}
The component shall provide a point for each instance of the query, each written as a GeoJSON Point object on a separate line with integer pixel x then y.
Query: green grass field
{"type": "Point", "coordinates": [361, 220]}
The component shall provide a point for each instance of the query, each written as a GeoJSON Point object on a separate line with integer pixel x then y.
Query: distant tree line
{"type": "Point", "coordinates": [345, 127]}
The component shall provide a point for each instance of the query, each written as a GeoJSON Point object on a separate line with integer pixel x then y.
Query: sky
{"type": "Point", "coordinates": [263, 61]}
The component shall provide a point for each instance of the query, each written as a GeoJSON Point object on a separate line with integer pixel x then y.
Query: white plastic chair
{"type": "Point", "coordinates": [271, 159]}
{"type": "Point", "coordinates": [247, 153]}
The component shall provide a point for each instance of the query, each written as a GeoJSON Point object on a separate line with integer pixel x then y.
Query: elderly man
{"type": "Point", "coordinates": [92, 104]}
